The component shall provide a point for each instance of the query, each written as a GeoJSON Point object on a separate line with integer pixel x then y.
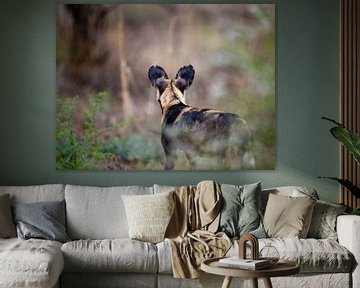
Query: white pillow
{"type": "Point", "coordinates": [149, 215]}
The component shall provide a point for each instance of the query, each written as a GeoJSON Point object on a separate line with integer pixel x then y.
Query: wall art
{"type": "Point", "coordinates": [165, 87]}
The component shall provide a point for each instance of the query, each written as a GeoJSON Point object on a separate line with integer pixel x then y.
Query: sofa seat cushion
{"type": "Point", "coordinates": [313, 255]}
{"type": "Point", "coordinates": [110, 255]}
{"type": "Point", "coordinates": [30, 263]}
{"type": "Point", "coordinates": [164, 257]}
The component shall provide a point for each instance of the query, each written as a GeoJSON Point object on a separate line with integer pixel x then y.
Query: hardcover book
{"type": "Point", "coordinates": [249, 264]}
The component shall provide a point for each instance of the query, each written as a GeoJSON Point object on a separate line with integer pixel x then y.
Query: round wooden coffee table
{"type": "Point", "coordinates": [281, 268]}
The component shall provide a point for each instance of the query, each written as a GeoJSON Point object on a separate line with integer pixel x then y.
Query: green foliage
{"type": "Point", "coordinates": [355, 211]}
{"type": "Point", "coordinates": [347, 184]}
{"type": "Point", "coordinates": [85, 146]}
{"type": "Point", "coordinates": [141, 150]}
{"type": "Point", "coordinates": [85, 149]}
{"type": "Point", "coordinates": [348, 138]}
{"type": "Point", "coordinates": [351, 141]}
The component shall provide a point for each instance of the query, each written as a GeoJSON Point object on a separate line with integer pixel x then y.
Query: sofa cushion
{"type": "Point", "coordinates": [43, 220]}
{"type": "Point", "coordinates": [287, 216]}
{"type": "Point", "coordinates": [30, 263]}
{"type": "Point", "coordinates": [313, 255]}
{"type": "Point", "coordinates": [7, 226]}
{"type": "Point", "coordinates": [37, 193]}
{"type": "Point", "coordinates": [164, 257]}
{"type": "Point", "coordinates": [323, 222]}
{"type": "Point", "coordinates": [163, 188]}
{"type": "Point", "coordinates": [240, 210]}
{"type": "Point", "coordinates": [117, 255]}
{"type": "Point", "coordinates": [149, 215]}
{"type": "Point", "coordinates": [98, 213]}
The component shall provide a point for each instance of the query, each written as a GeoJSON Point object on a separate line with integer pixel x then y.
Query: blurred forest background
{"type": "Point", "coordinates": [107, 114]}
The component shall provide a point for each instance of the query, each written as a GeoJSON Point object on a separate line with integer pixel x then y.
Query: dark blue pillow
{"type": "Point", "coordinates": [43, 220]}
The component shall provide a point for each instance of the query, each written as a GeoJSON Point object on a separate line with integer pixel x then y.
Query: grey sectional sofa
{"type": "Point", "coordinates": [102, 255]}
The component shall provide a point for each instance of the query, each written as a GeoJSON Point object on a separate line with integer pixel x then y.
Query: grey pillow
{"type": "Point", "coordinates": [323, 222]}
{"type": "Point", "coordinates": [240, 212]}
{"type": "Point", "coordinates": [44, 220]}
{"type": "Point", "coordinates": [7, 227]}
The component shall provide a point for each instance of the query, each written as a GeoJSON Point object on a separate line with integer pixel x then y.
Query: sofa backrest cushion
{"type": "Point", "coordinates": [98, 213]}
{"type": "Point", "coordinates": [37, 193]}
{"type": "Point", "coordinates": [163, 188]}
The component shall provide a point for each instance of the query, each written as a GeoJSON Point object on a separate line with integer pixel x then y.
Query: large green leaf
{"type": "Point", "coordinates": [348, 138]}
{"type": "Point", "coordinates": [348, 185]}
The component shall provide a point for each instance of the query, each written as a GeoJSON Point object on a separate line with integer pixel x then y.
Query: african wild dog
{"type": "Point", "coordinates": [198, 132]}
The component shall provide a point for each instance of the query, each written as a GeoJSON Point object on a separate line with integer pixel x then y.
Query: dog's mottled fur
{"type": "Point", "coordinates": [198, 132]}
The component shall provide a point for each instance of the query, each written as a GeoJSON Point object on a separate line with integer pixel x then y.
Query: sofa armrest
{"type": "Point", "coordinates": [348, 230]}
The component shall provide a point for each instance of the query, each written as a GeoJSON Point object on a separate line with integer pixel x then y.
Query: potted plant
{"type": "Point", "coordinates": [351, 141]}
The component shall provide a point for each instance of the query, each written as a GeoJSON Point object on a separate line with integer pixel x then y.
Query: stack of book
{"type": "Point", "coordinates": [248, 264]}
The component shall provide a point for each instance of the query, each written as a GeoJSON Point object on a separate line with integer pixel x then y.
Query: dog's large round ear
{"type": "Point", "coordinates": [184, 77]}
{"type": "Point", "coordinates": [155, 73]}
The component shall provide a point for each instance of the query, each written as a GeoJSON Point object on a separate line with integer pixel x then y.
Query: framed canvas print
{"type": "Point", "coordinates": [165, 87]}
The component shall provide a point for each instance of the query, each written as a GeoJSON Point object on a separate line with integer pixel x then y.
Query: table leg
{"type": "Point", "coordinates": [227, 282]}
{"type": "Point", "coordinates": [254, 282]}
{"type": "Point", "coordinates": [267, 283]}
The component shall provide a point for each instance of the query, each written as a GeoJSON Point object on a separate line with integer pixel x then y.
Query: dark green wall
{"type": "Point", "coordinates": [306, 84]}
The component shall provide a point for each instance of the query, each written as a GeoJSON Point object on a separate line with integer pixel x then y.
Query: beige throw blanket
{"type": "Point", "coordinates": [191, 231]}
